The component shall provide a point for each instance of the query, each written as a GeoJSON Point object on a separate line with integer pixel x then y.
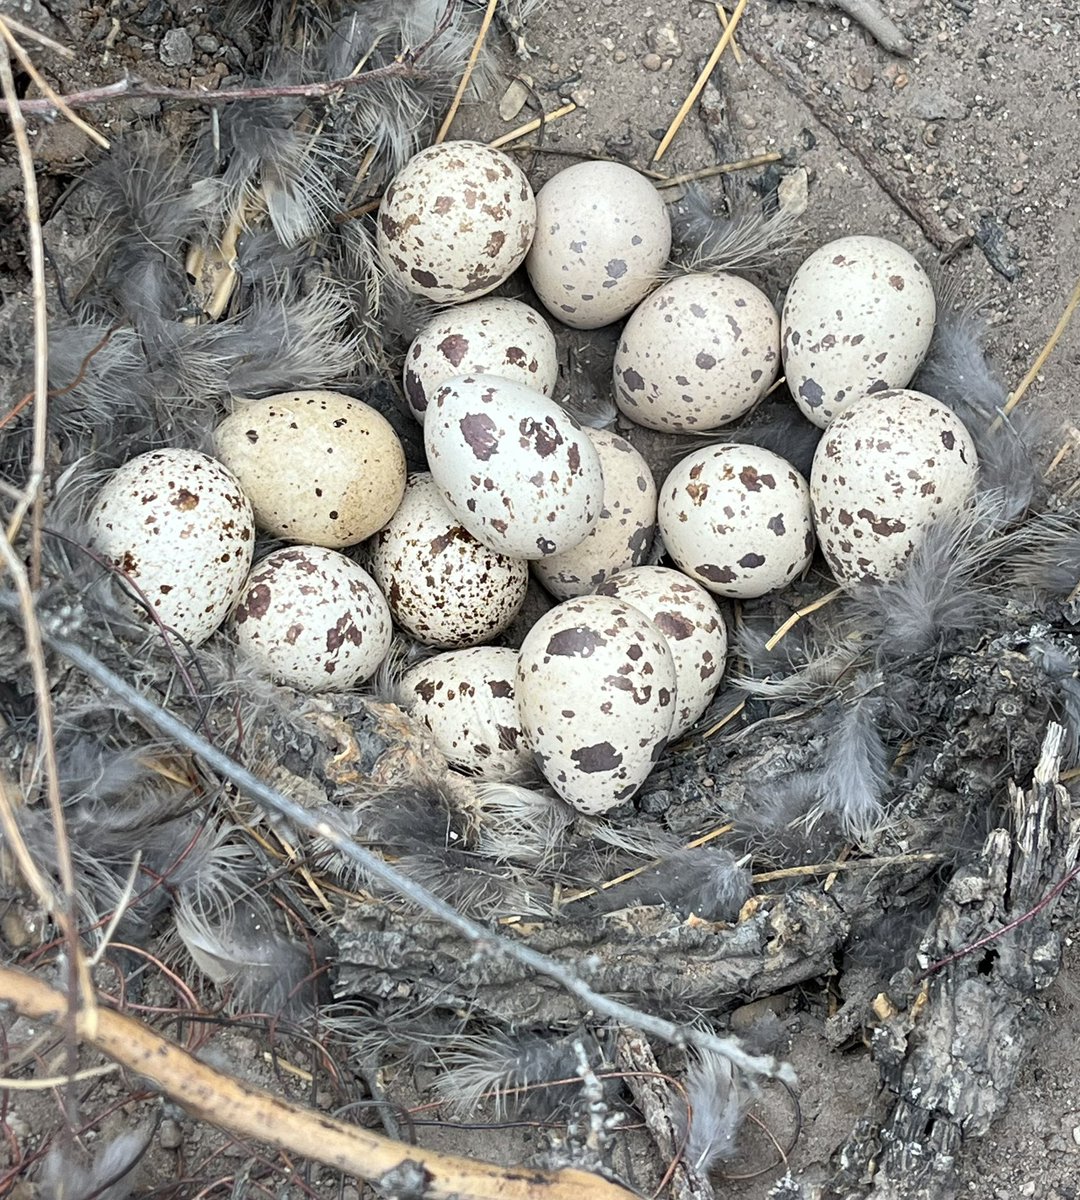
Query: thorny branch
{"type": "Point", "coordinates": [485, 941]}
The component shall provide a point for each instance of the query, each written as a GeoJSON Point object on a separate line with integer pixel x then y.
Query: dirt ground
{"type": "Point", "coordinates": [965, 152]}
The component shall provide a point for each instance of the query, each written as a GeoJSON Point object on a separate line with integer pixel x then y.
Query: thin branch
{"type": "Point", "coordinates": [466, 75]}
{"type": "Point", "coordinates": [330, 829]}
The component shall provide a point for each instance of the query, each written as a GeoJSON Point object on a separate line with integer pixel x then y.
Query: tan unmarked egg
{"type": "Point", "coordinates": [319, 467]}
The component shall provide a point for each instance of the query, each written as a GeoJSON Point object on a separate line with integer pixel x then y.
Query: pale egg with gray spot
{"type": "Point", "coordinates": [858, 318]}
{"type": "Point", "coordinates": [623, 534]}
{"type": "Point", "coordinates": [456, 221]}
{"type": "Point", "coordinates": [698, 353]}
{"type": "Point", "coordinates": [444, 587]}
{"type": "Point", "coordinates": [737, 519]}
{"type": "Point", "coordinates": [691, 620]}
{"type": "Point", "coordinates": [492, 336]}
{"type": "Point", "coordinates": [178, 525]}
{"type": "Point", "coordinates": [466, 698]}
{"type": "Point", "coordinates": [603, 235]}
{"type": "Point", "coordinates": [517, 470]}
{"type": "Point", "coordinates": [312, 618]}
{"type": "Point", "coordinates": [889, 467]}
{"type": "Point", "coordinates": [596, 691]}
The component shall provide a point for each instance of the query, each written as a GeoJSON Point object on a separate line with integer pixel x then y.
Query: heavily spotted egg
{"type": "Point", "coordinates": [737, 519]}
{"type": "Point", "coordinates": [596, 690]}
{"type": "Point", "coordinates": [858, 318]}
{"type": "Point", "coordinates": [888, 467]}
{"type": "Point", "coordinates": [178, 525]}
{"type": "Point", "coordinates": [603, 235]}
{"type": "Point", "coordinates": [443, 586]}
{"type": "Point", "coordinates": [311, 618]}
{"type": "Point", "coordinates": [623, 533]}
{"type": "Point", "coordinates": [466, 698]}
{"type": "Point", "coordinates": [693, 624]}
{"type": "Point", "coordinates": [698, 353]}
{"type": "Point", "coordinates": [516, 470]}
{"type": "Point", "coordinates": [456, 221]}
{"type": "Point", "coordinates": [493, 336]}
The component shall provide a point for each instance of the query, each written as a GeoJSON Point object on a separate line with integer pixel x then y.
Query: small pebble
{"type": "Point", "coordinates": [170, 1135]}
{"type": "Point", "coordinates": [176, 48]}
{"type": "Point", "coordinates": [652, 62]}
{"type": "Point", "coordinates": [619, 56]}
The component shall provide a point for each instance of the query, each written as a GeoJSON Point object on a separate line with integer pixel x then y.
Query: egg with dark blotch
{"type": "Point", "coordinates": [889, 467]}
{"type": "Point", "coordinates": [858, 318]}
{"type": "Point", "coordinates": [516, 469]}
{"type": "Point", "coordinates": [179, 527]}
{"type": "Point", "coordinates": [493, 336]}
{"type": "Point", "coordinates": [466, 698]}
{"type": "Point", "coordinates": [311, 618]}
{"type": "Point", "coordinates": [444, 587]}
{"type": "Point", "coordinates": [737, 519]}
{"type": "Point", "coordinates": [596, 690]}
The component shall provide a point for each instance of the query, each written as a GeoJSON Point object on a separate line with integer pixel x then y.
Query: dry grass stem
{"type": "Point", "coordinates": [463, 83]}
{"type": "Point", "coordinates": [534, 124]}
{"type": "Point", "coordinates": [847, 864]}
{"type": "Point", "coordinates": [743, 164]}
{"type": "Point", "coordinates": [797, 616]}
{"type": "Point", "coordinates": [725, 20]}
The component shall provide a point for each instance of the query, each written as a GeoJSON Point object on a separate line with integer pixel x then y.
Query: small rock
{"type": "Point", "coordinates": [653, 804]}
{"type": "Point", "coordinates": [793, 192]}
{"type": "Point", "coordinates": [928, 104]}
{"type": "Point", "coordinates": [819, 30]}
{"type": "Point", "coordinates": [1076, 1134]}
{"type": "Point", "coordinates": [951, 217]}
{"type": "Point", "coordinates": [170, 1135]}
{"type": "Point", "coordinates": [862, 76]}
{"type": "Point", "coordinates": [619, 56]}
{"type": "Point", "coordinates": [663, 40]}
{"type": "Point", "coordinates": [1016, 187]}
{"type": "Point", "coordinates": [652, 62]}
{"type": "Point", "coordinates": [901, 81]}
{"type": "Point", "coordinates": [176, 48]}
{"type": "Point", "coordinates": [207, 43]}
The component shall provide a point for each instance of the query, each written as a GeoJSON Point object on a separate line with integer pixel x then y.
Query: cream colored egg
{"type": "Point", "coordinates": [178, 525]}
{"type": "Point", "coordinates": [319, 467]}
{"type": "Point", "coordinates": [456, 221]}
{"type": "Point", "coordinates": [466, 698]}
{"type": "Point", "coordinates": [518, 472]}
{"type": "Point", "coordinates": [623, 533]}
{"type": "Point", "coordinates": [603, 235]}
{"type": "Point", "coordinates": [596, 693]}
{"type": "Point", "coordinates": [858, 318]}
{"type": "Point", "coordinates": [444, 587]}
{"type": "Point", "coordinates": [888, 467]}
{"type": "Point", "coordinates": [311, 618]}
{"type": "Point", "coordinates": [737, 519]}
{"type": "Point", "coordinates": [693, 624]}
{"type": "Point", "coordinates": [493, 336]}
{"type": "Point", "coordinates": [698, 353]}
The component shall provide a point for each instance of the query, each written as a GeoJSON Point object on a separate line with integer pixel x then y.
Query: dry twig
{"type": "Point", "coordinates": [463, 83]}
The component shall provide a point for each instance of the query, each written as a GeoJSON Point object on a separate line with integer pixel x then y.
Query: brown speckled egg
{"type": "Point", "coordinates": [603, 235]}
{"type": "Point", "coordinates": [596, 690]}
{"type": "Point", "coordinates": [889, 466]}
{"type": "Point", "coordinates": [443, 586]}
{"type": "Point", "coordinates": [466, 698]}
{"type": "Point", "coordinates": [623, 533]}
{"type": "Point", "coordinates": [493, 336]}
{"type": "Point", "coordinates": [737, 519]}
{"type": "Point", "coordinates": [858, 318]}
{"type": "Point", "coordinates": [699, 352]}
{"type": "Point", "coordinates": [456, 221]}
{"type": "Point", "coordinates": [693, 624]}
{"type": "Point", "coordinates": [517, 471]}
{"type": "Point", "coordinates": [319, 467]}
{"type": "Point", "coordinates": [177, 523]}
{"type": "Point", "coordinates": [311, 618]}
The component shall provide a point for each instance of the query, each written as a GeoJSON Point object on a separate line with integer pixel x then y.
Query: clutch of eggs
{"type": "Point", "coordinates": [492, 336]}
{"type": "Point", "coordinates": [889, 466]}
{"type": "Point", "coordinates": [456, 221]}
{"type": "Point", "coordinates": [858, 318]}
{"type": "Point", "coordinates": [516, 470]}
{"type": "Point", "coordinates": [178, 525]}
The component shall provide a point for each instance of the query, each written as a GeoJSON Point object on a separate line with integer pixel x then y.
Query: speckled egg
{"type": "Point", "coordinates": [603, 235]}
{"type": "Point", "coordinates": [596, 691]}
{"type": "Point", "coordinates": [623, 533]}
{"type": "Point", "coordinates": [699, 352]}
{"type": "Point", "coordinates": [456, 221]}
{"type": "Point", "coordinates": [493, 336]}
{"type": "Point", "coordinates": [858, 318]}
{"type": "Point", "coordinates": [177, 523]}
{"type": "Point", "coordinates": [443, 586]}
{"type": "Point", "coordinates": [693, 624]}
{"type": "Point", "coordinates": [318, 467]}
{"type": "Point", "coordinates": [518, 472]}
{"type": "Point", "coordinates": [311, 618]}
{"type": "Point", "coordinates": [737, 519]}
{"type": "Point", "coordinates": [889, 466]}
{"type": "Point", "coordinates": [466, 698]}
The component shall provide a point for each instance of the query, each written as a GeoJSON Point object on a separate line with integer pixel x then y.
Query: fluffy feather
{"type": "Point", "coordinates": [107, 1176]}
{"type": "Point", "coordinates": [706, 242]}
{"type": "Point", "coordinates": [1061, 670]}
{"type": "Point", "coordinates": [718, 1096]}
{"type": "Point", "coordinates": [851, 782]}
{"type": "Point", "coordinates": [1047, 556]}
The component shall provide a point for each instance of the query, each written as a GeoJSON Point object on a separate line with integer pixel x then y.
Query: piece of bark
{"type": "Point", "coordinates": [876, 21]}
